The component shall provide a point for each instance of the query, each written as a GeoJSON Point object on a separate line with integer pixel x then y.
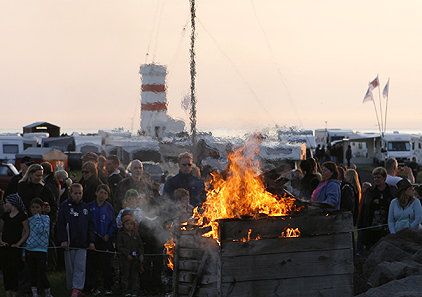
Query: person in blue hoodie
{"type": "Point", "coordinates": [76, 233]}
{"type": "Point", "coordinates": [105, 229]}
{"type": "Point", "coordinates": [328, 190]}
{"type": "Point", "coordinates": [37, 246]}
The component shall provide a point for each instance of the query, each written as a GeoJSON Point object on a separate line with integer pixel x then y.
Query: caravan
{"type": "Point", "coordinates": [403, 147]}
{"type": "Point", "coordinates": [9, 147]}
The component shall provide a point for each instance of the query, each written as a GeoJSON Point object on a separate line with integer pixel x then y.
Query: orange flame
{"type": "Point", "coordinates": [290, 232]}
{"type": "Point", "coordinates": [241, 193]}
{"type": "Point", "coordinates": [170, 246]}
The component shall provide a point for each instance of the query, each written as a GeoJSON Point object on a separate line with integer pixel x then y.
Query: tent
{"type": "Point", "coordinates": [56, 158]}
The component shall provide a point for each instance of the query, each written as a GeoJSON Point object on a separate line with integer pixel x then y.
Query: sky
{"type": "Point", "coordinates": [260, 64]}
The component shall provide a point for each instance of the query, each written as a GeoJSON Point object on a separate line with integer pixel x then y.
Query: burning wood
{"type": "Point", "coordinates": [241, 193]}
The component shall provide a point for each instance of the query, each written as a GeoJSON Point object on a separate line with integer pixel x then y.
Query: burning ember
{"type": "Point", "coordinates": [290, 232]}
{"type": "Point", "coordinates": [169, 246]}
{"type": "Point", "coordinates": [241, 193]}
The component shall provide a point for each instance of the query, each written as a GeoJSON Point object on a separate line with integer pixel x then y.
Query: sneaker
{"type": "Point", "coordinates": [77, 293]}
{"type": "Point", "coordinates": [108, 292]}
{"type": "Point", "coordinates": [128, 295]}
{"type": "Point", "coordinates": [133, 295]}
{"type": "Point", "coordinates": [95, 292]}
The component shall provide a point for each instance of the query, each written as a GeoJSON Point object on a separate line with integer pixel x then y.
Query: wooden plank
{"type": "Point", "coordinates": [198, 275]}
{"type": "Point", "coordinates": [196, 241]}
{"type": "Point", "coordinates": [204, 290]}
{"type": "Point", "coordinates": [327, 286]}
{"type": "Point", "coordinates": [238, 229]}
{"type": "Point", "coordinates": [188, 277]}
{"type": "Point", "coordinates": [191, 265]}
{"type": "Point", "coordinates": [193, 254]}
{"type": "Point", "coordinates": [286, 265]}
{"type": "Point", "coordinates": [285, 245]}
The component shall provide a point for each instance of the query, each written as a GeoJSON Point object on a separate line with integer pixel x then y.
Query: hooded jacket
{"type": "Point", "coordinates": [75, 224]}
{"type": "Point", "coordinates": [330, 193]}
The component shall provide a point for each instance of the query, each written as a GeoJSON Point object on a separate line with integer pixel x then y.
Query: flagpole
{"type": "Point", "coordinates": [386, 104]}
{"type": "Point", "coordinates": [376, 113]}
{"type": "Point", "coordinates": [379, 98]}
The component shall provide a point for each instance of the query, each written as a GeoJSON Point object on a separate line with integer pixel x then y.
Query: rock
{"type": "Point", "coordinates": [388, 271]}
{"type": "Point", "coordinates": [417, 257]}
{"type": "Point", "coordinates": [408, 240]}
{"type": "Point", "coordinates": [384, 251]}
{"type": "Point", "coordinates": [410, 286]}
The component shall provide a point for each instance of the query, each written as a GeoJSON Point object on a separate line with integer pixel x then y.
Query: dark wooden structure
{"type": "Point", "coordinates": [42, 127]}
{"type": "Point", "coordinates": [318, 263]}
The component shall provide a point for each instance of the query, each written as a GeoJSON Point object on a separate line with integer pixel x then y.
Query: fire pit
{"type": "Point", "coordinates": [260, 244]}
{"type": "Point", "coordinates": [255, 259]}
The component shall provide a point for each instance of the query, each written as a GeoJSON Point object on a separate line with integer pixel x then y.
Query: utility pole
{"type": "Point", "coordinates": [192, 80]}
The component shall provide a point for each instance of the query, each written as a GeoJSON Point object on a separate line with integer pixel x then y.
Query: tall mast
{"type": "Point", "coordinates": [192, 79]}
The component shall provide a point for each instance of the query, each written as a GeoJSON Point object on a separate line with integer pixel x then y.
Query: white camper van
{"type": "Point", "coordinates": [403, 147]}
{"type": "Point", "coordinates": [9, 147]}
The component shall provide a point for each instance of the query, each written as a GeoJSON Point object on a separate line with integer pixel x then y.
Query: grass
{"type": "Point", "coordinates": [57, 281]}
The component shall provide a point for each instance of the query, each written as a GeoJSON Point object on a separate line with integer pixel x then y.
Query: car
{"type": "Point", "coordinates": [154, 169]}
{"type": "Point", "coordinates": [7, 171]}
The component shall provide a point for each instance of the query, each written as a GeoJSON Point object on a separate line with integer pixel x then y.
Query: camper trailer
{"type": "Point", "coordinates": [403, 147]}
{"type": "Point", "coordinates": [9, 147]}
{"type": "Point", "coordinates": [326, 136]}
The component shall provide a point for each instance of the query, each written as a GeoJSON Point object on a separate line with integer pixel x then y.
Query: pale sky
{"type": "Point", "coordinates": [259, 63]}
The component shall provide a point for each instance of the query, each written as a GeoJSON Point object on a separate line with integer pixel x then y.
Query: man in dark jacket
{"type": "Point", "coordinates": [114, 177]}
{"type": "Point", "coordinates": [134, 181]}
{"type": "Point", "coordinates": [50, 180]}
{"type": "Point", "coordinates": [90, 181]}
{"type": "Point", "coordinates": [185, 179]}
{"type": "Point", "coordinates": [374, 209]}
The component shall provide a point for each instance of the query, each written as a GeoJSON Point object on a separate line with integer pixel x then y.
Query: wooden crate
{"type": "Point", "coordinates": [318, 263]}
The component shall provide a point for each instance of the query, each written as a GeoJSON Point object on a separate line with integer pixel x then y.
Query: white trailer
{"type": "Point", "coordinates": [326, 136]}
{"type": "Point", "coordinates": [9, 147]}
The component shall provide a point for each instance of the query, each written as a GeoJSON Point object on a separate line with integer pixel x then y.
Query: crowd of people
{"type": "Point", "coordinates": [111, 223]}
{"type": "Point", "coordinates": [388, 206]}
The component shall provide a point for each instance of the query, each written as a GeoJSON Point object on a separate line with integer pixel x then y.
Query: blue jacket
{"type": "Point", "coordinates": [75, 224]}
{"type": "Point", "coordinates": [330, 193]}
{"type": "Point", "coordinates": [190, 182]}
{"type": "Point", "coordinates": [104, 220]}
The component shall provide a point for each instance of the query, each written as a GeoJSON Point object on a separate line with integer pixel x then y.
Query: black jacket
{"type": "Point", "coordinates": [190, 182]}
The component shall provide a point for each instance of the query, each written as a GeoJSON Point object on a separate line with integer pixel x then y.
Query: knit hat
{"type": "Point", "coordinates": [131, 193]}
{"type": "Point", "coordinates": [402, 186]}
{"type": "Point", "coordinates": [16, 201]}
{"type": "Point", "coordinates": [129, 218]}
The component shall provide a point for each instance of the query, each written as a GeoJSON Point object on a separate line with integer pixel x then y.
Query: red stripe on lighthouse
{"type": "Point", "coordinates": [156, 106]}
{"type": "Point", "coordinates": [153, 88]}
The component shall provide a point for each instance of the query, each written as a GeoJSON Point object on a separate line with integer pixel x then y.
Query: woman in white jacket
{"type": "Point", "coordinates": [405, 211]}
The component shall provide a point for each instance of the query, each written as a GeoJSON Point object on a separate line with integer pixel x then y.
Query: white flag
{"type": "Point", "coordinates": [375, 83]}
{"type": "Point", "coordinates": [185, 103]}
{"type": "Point", "coordinates": [368, 96]}
{"type": "Point", "coordinates": [385, 92]}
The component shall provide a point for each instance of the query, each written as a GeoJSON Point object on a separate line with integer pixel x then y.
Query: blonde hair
{"type": "Point", "coordinates": [352, 177]}
{"type": "Point", "coordinates": [31, 170]}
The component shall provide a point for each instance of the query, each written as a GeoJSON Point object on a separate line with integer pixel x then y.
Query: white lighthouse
{"type": "Point", "coordinates": [155, 121]}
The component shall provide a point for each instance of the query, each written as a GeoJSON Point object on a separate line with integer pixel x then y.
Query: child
{"type": "Point", "coordinates": [105, 228]}
{"type": "Point", "coordinates": [37, 246]}
{"type": "Point", "coordinates": [76, 230]}
{"type": "Point", "coordinates": [12, 222]}
{"type": "Point", "coordinates": [131, 199]}
{"type": "Point", "coordinates": [184, 209]}
{"type": "Point", "coordinates": [131, 248]}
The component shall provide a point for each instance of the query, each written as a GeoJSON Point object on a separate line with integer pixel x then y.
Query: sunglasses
{"type": "Point", "coordinates": [36, 168]}
{"type": "Point", "coordinates": [187, 164]}
{"type": "Point", "coordinates": [85, 171]}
